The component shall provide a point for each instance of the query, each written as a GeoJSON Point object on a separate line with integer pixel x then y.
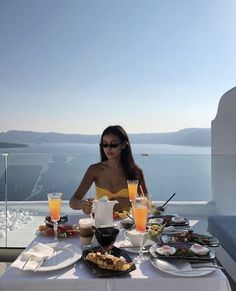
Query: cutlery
{"type": "Point", "coordinates": [39, 265]}
{"type": "Point", "coordinates": [97, 230]}
{"type": "Point", "coordinates": [168, 200]}
{"type": "Point", "coordinates": [195, 267]}
{"type": "Point", "coordinates": [26, 262]}
{"type": "Point", "coordinates": [130, 217]}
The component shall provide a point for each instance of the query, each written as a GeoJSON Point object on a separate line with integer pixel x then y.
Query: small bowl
{"type": "Point", "coordinates": [156, 220]}
{"type": "Point", "coordinates": [106, 236]}
{"type": "Point", "coordinates": [127, 223]}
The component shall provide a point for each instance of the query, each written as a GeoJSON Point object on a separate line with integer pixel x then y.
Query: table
{"type": "Point", "coordinates": [79, 277]}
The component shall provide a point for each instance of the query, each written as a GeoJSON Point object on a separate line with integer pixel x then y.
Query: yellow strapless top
{"type": "Point", "coordinates": [100, 192]}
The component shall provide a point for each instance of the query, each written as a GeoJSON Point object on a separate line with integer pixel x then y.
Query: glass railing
{"type": "Point", "coordinates": [26, 178]}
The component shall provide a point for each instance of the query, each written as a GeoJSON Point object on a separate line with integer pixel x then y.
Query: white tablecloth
{"type": "Point", "coordinates": [79, 278]}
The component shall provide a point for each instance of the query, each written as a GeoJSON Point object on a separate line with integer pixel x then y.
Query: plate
{"type": "Point", "coordinates": [135, 250]}
{"type": "Point", "coordinates": [102, 273]}
{"type": "Point", "coordinates": [65, 254]}
{"type": "Point", "coordinates": [188, 255]}
{"type": "Point", "coordinates": [193, 273]}
{"type": "Point", "coordinates": [168, 220]}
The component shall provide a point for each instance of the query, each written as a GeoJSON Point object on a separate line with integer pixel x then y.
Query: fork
{"type": "Point", "coordinates": [26, 262]}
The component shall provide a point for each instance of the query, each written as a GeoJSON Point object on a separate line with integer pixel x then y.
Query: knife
{"type": "Point", "coordinates": [39, 265]}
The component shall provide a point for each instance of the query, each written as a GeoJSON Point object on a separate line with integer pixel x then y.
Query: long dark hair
{"type": "Point", "coordinates": [131, 170]}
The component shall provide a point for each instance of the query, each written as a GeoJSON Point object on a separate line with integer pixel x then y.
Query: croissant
{"type": "Point", "coordinates": [109, 262]}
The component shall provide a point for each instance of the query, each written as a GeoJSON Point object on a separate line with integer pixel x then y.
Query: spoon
{"type": "Point", "coordinates": [130, 217]}
{"type": "Point", "coordinates": [168, 200]}
{"type": "Point", "coordinates": [96, 229]}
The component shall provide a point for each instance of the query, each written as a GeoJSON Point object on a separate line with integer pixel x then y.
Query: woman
{"type": "Point", "coordinates": [111, 174]}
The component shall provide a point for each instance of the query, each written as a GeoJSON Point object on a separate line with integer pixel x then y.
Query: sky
{"type": "Point", "coordinates": [77, 66]}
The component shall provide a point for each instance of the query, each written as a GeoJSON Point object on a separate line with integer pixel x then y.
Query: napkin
{"type": "Point", "coordinates": [127, 244]}
{"type": "Point", "coordinates": [175, 266]}
{"type": "Point", "coordinates": [35, 255]}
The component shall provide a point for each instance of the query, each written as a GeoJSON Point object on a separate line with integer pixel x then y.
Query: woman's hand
{"type": "Point", "coordinates": [123, 204]}
{"type": "Point", "coordinates": [87, 206]}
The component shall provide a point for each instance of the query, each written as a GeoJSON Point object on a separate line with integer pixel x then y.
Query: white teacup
{"type": "Point", "coordinates": [135, 237]}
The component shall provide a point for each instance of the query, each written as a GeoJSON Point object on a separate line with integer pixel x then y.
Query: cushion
{"type": "Point", "coordinates": [223, 227]}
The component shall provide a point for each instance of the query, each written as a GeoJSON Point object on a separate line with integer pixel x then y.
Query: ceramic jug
{"type": "Point", "coordinates": [103, 209]}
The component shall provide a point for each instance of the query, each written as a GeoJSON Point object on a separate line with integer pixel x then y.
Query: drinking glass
{"type": "Point", "coordinates": [54, 202]}
{"type": "Point", "coordinates": [140, 212]}
{"type": "Point", "coordinates": [133, 189]}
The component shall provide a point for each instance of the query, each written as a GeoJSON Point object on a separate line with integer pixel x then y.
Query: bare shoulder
{"type": "Point", "coordinates": [96, 168]}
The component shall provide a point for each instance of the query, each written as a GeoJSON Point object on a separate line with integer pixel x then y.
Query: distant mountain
{"type": "Point", "coordinates": [12, 145]}
{"type": "Point", "coordinates": [188, 136]}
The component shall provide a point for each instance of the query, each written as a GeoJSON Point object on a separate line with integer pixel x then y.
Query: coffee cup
{"type": "Point", "coordinates": [86, 230]}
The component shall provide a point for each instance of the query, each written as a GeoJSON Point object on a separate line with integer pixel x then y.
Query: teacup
{"type": "Point", "coordinates": [136, 238]}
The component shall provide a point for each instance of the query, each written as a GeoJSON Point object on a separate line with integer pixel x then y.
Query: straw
{"type": "Point", "coordinates": [141, 190]}
{"type": "Point", "coordinates": [168, 200]}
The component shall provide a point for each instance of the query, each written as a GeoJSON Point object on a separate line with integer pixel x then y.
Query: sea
{"type": "Point", "coordinates": [29, 173]}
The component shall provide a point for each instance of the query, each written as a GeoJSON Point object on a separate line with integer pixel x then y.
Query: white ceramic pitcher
{"type": "Point", "coordinates": [103, 209]}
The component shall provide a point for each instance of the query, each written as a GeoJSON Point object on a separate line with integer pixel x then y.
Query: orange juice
{"type": "Point", "coordinates": [55, 208]}
{"type": "Point", "coordinates": [133, 188]}
{"type": "Point", "coordinates": [140, 217]}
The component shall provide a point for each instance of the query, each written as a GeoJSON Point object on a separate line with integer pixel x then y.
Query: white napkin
{"type": "Point", "coordinates": [175, 266]}
{"type": "Point", "coordinates": [126, 244]}
{"type": "Point", "coordinates": [36, 254]}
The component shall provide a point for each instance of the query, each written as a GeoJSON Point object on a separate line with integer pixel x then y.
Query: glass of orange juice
{"type": "Point", "coordinates": [140, 213]}
{"type": "Point", "coordinates": [54, 203]}
{"type": "Point", "coordinates": [133, 189]}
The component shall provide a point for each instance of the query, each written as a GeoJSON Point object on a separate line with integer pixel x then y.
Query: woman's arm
{"type": "Point", "coordinates": [76, 201]}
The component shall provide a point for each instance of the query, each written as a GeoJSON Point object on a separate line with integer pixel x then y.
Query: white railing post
{"type": "Point", "coordinates": [5, 155]}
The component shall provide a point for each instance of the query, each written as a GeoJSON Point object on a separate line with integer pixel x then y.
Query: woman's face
{"type": "Point", "coordinates": [112, 146]}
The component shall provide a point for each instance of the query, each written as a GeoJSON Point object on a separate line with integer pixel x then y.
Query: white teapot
{"type": "Point", "coordinates": [103, 209]}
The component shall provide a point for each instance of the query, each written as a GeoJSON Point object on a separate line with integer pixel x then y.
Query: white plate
{"type": "Point", "coordinates": [182, 273]}
{"type": "Point", "coordinates": [134, 250]}
{"type": "Point", "coordinates": [65, 254]}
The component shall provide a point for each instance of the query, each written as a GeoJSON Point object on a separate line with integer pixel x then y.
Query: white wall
{"type": "Point", "coordinates": [223, 147]}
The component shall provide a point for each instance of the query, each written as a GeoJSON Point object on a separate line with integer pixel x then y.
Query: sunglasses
{"type": "Point", "coordinates": [112, 145]}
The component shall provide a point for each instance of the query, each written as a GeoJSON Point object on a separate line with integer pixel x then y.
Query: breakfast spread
{"type": "Point", "coordinates": [166, 250]}
{"type": "Point", "coordinates": [108, 261]}
{"type": "Point", "coordinates": [190, 236]}
{"type": "Point", "coordinates": [156, 230]}
{"type": "Point", "coordinates": [120, 214]}
{"type": "Point", "coordinates": [182, 250]}
{"type": "Point", "coordinates": [63, 231]}
{"type": "Point", "coordinates": [169, 220]}
{"type": "Point", "coordinates": [199, 250]}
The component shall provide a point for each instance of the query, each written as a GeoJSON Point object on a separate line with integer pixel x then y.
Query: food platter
{"type": "Point", "coordinates": [102, 273]}
{"type": "Point", "coordinates": [171, 220]}
{"type": "Point", "coordinates": [182, 252]}
{"type": "Point", "coordinates": [190, 236]}
{"type": "Point", "coordinates": [63, 231]}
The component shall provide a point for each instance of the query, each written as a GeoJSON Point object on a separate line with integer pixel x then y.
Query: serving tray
{"type": "Point", "coordinates": [102, 273]}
